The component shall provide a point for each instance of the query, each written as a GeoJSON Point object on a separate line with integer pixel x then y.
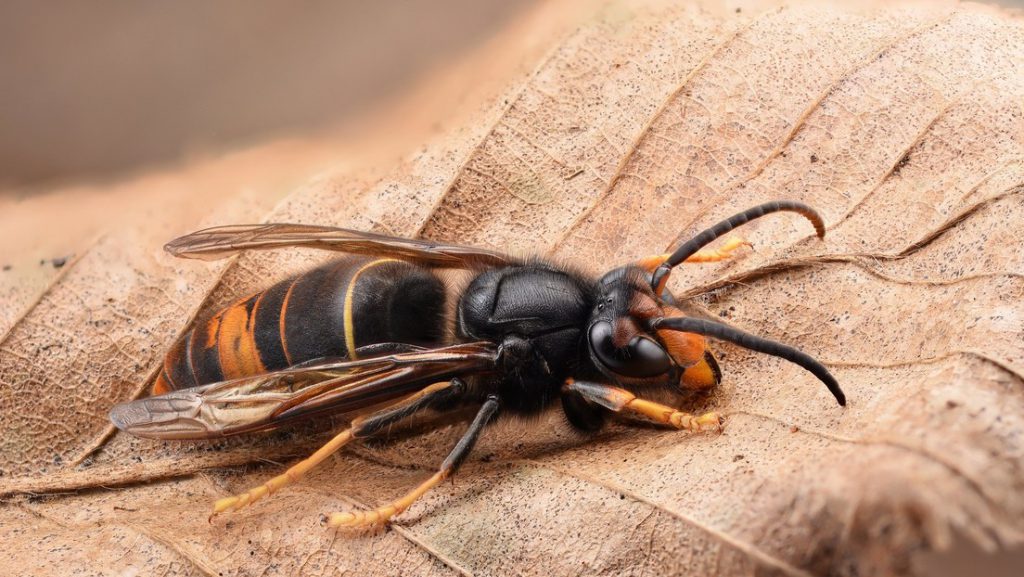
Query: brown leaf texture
{"type": "Point", "coordinates": [903, 126]}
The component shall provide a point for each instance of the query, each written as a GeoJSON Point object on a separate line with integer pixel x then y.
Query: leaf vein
{"type": "Point", "coordinates": [749, 549]}
{"type": "Point", "coordinates": [627, 155]}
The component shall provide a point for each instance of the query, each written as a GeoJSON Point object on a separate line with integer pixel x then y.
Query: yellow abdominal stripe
{"type": "Point", "coordinates": [350, 329]}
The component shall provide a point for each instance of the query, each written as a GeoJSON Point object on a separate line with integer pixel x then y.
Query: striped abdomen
{"type": "Point", "coordinates": [327, 312]}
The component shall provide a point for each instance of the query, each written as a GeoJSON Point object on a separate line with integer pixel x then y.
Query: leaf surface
{"type": "Point", "coordinates": [902, 125]}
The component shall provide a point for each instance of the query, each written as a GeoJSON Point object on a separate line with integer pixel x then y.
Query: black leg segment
{"type": "Point", "coordinates": [447, 469]}
{"type": "Point", "coordinates": [429, 398]}
{"type": "Point", "coordinates": [469, 438]}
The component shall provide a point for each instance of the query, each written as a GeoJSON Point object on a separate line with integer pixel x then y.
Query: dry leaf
{"type": "Point", "coordinates": [904, 126]}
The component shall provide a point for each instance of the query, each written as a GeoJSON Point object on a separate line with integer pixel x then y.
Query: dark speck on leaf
{"type": "Point", "coordinates": [903, 162]}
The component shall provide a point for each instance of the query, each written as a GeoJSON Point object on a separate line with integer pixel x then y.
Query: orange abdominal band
{"type": "Point", "coordinates": [161, 385]}
{"type": "Point", "coordinates": [237, 344]}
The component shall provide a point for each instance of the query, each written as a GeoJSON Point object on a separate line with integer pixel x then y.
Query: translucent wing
{"type": "Point", "coordinates": [271, 400]}
{"type": "Point", "coordinates": [222, 241]}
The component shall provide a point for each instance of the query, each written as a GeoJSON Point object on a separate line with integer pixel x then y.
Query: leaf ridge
{"type": "Point", "coordinates": [958, 218]}
{"type": "Point", "coordinates": [987, 177]}
{"type": "Point", "coordinates": [415, 540]}
{"type": "Point", "coordinates": [897, 164]}
{"type": "Point", "coordinates": [152, 471]}
{"type": "Point", "coordinates": [854, 258]}
{"type": "Point", "coordinates": [792, 264]}
{"type": "Point", "coordinates": [180, 550]}
{"type": "Point", "coordinates": [183, 551]}
{"type": "Point", "coordinates": [405, 532]}
{"type": "Point", "coordinates": [57, 278]}
{"type": "Point", "coordinates": [841, 78]}
{"type": "Point", "coordinates": [1005, 366]}
{"type": "Point", "coordinates": [752, 551]}
{"type": "Point", "coordinates": [434, 211]}
{"type": "Point", "coordinates": [644, 132]}
{"type": "Point", "coordinates": [881, 441]}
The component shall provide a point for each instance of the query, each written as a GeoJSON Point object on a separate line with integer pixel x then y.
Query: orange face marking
{"type": "Point", "coordinates": [700, 377]}
{"type": "Point", "coordinates": [686, 348]}
{"type": "Point", "coordinates": [644, 307]}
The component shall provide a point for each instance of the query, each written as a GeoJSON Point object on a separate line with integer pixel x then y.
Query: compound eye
{"type": "Point", "coordinates": [641, 357]}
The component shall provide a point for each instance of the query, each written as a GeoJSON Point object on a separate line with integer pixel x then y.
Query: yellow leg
{"type": "Point", "coordinates": [447, 469]}
{"type": "Point", "coordinates": [621, 400]}
{"type": "Point", "coordinates": [359, 429]}
{"type": "Point", "coordinates": [704, 255]}
{"type": "Point", "coordinates": [288, 477]}
{"type": "Point", "coordinates": [669, 416]}
{"type": "Point", "coordinates": [383, 514]}
{"type": "Point", "coordinates": [717, 254]}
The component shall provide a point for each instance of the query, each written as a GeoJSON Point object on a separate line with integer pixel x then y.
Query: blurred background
{"type": "Point", "coordinates": [135, 113]}
{"type": "Point", "coordinates": [110, 110]}
{"type": "Point", "coordinates": [231, 97]}
{"type": "Point", "coordinates": [96, 90]}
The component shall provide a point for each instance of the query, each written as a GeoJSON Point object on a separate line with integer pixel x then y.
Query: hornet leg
{"type": "Point", "coordinates": [448, 468]}
{"type": "Point", "coordinates": [621, 400]}
{"type": "Point", "coordinates": [724, 252]}
{"type": "Point", "coordinates": [360, 428]}
{"type": "Point", "coordinates": [651, 263]}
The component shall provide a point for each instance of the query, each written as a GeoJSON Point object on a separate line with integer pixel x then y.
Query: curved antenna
{"type": "Point", "coordinates": [690, 247]}
{"type": "Point", "coordinates": [754, 343]}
